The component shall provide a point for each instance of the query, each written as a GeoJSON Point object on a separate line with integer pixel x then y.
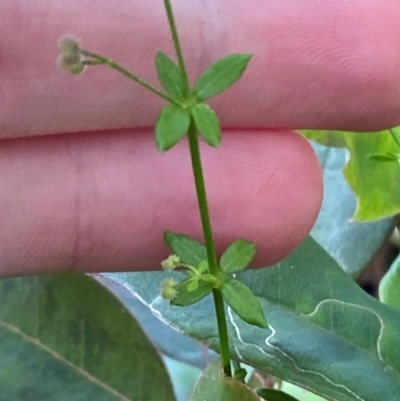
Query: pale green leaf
{"type": "Point", "coordinates": [221, 75]}
{"type": "Point", "coordinates": [189, 250]}
{"type": "Point", "coordinates": [237, 256]}
{"type": "Point", "coordinates": [352, 244]}
{"type": "Point", "coordinates": [325, 333]}
{"type": "Point", "coordinates": [207, 123]}
{"type": "Point", "coordinates": [192, 285]}
{"type": "Point", "coordinates": [389, 287]}
{"type": "Point", "coordinates": [171, 126]}
{"type": "Point", "coordinates": [170, 76]}
{"type": "Point", "coordinates": [374, 183]}
{"type": "Point", "coordinates": [240, 298]}
{"type": "Point", "coordinates": [65, 337]}
{"type": "Point", "coordinates": [213, 385]}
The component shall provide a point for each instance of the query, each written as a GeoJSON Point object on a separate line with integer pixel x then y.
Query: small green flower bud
{"type": "Point", "coordinates": [70, 58]}
{"type": "Point", "coordinates": [168, 290]}
{"type": "Point", "coordinates": [171, 262]}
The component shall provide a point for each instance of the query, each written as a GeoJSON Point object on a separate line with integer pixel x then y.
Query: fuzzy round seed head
{"type": "Point", "coordinates": [168, 290]}
{"type": "Point", "coordinates": [171, 262]}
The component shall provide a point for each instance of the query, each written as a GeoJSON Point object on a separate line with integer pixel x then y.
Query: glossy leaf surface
{"type": "Point", "coordinates": [65, 337]}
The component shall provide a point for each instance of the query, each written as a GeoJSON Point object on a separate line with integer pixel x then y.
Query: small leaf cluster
{"type": "Point", "coordinates": [187, 105]}
{"type": "Point", "coordinates": [200, 282]}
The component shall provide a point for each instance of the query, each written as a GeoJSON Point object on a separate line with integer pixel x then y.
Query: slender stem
{"type": "Point", "coordinates": [177, 44]}
{"type": "Point", "coordinates": [104, 60]}
{"type": "Point", "coordinates": [208, 237]}
{"type": "Point", "coordinates": [395, 136]}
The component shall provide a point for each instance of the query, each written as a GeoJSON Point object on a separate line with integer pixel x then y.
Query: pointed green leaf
{"type": "Point", "coordinates": [237, 256]}
{"type": "Point", "coordinates": [221, 75]}
{"type": "Point", "coordinates": [170, 76]}
{"type": "Point", "coordinates": [65, 337]}
{"type": "Point", "coordinates": [207, 123]}
{"type": "Point", "coordinates": [271, 394]}
{"type": "Point", "coordinates": [203, 266]}
{"type": "Point", "coordinates": [189, 250]}
{"type": "Point", "coordinates": [213, 385]}
{"type": "Point", "coordinates": [186, 297]}
{"type": "Point", "coordinates": [389, 287]}
{"type": "Point", "coordinates": [171, 126]}
{"type": "Point", "coordinates": [246, 305]}
{"type": "Point", "coordinates": [208, 277]}
{"type": "Point", "coordinates": [387, 157]}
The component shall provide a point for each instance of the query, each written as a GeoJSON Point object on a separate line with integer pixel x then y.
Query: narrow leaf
{"type": "Point", "coordinates": [237, 256]}
{"type": "Point", "coordinates": [170, 76]}
{"type": "Point", "coordinates": [172, 124]}
{"type": "Point", "coordinates": [189, 250]}
{"type": "Point", "coordinates": [213, 385]}
{"type": "Point", "coordinates": [221, 75]}
{"type": "Point", "coordinates": [389, 287]}
{"type": "Point", "coordinates": [192, 285]}
{"type": "Point", "coordinates": [388, 157]}
{"type": "Point", "coordinates": [186, 297]}
{"type": "Point", "coordinates": [271, 394]}
{"type": "Point", "coordinates": [244, 302]}
{"type": "Point", "coordinates": [207, 123]}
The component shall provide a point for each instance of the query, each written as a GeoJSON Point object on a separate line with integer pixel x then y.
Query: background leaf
{"type": "Point", "coordinates": [352, 244]}
{"type": "Point", "coordinates": [237, 256]}
{"type": "Point", "coordinates": [170, 76]}
{"type": "Point", "coordinates": [65, 337]}
{"type": "Point", "coordinates": [389, 287]}
{"type": "Point", "coordinates": [221, 75]}
{"type": "Point", "coordinates": [171, 126]}
{"type": "Point", "coordinates": [325, 334]}
{"type": "Point", "coordinates": [374, 183]}
{"type": "Point", "coordinates": [271, 394]}
{"type": "Point", "coordinates": [213, 385]}
{"type": "Point", "coordinates": [207, 123]}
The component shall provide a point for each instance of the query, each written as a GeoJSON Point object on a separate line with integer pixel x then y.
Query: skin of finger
{"type": "Point", "coordinates": [100, 202]}
{"type": "Point", "coordinates": [315, 64]}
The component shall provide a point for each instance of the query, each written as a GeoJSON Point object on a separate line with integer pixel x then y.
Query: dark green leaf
{"type": "Point", "coordinates": [221, 75]}
{"type": "Point", "coordinates": [237, 256]}
{"type": "Point", "coordinates": [189, 250]}
{"type": "Point", "coordinates": [186, 297]}
{"type": "Point", "coordinates": [171, 126]}
{"type": "Point", "coordinates": [213, 385]}
{"type": "Point", "coordinates": [388, 157]}
{"type": "Point", "coordinates": [65, 337]}
{"type": "Point", "coordinates": [240, 374]}
{"type": "Point", "coordinates": [325, 333]}
{"type": "Point", "coordinates": [270, 394]}
{"type": "Point", "coordinates": [389, 287]}
{"type": "Point", "coordinates": [170, 76]}
{"type": "Point", "coordinates": [207, 123]}
{"type": "Point", "coordinates": [240, 298]}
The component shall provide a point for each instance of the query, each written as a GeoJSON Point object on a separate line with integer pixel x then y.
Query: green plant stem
{"type": "Point", "coordinates": [177, 44]}
{"type": "Point", "coordinates": [208, 237]}
{"type": "Point", "coordinates": [100, 60]}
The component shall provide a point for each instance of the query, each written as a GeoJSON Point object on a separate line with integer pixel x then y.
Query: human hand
{"type": "Point", "coordinates": [98, 195]}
